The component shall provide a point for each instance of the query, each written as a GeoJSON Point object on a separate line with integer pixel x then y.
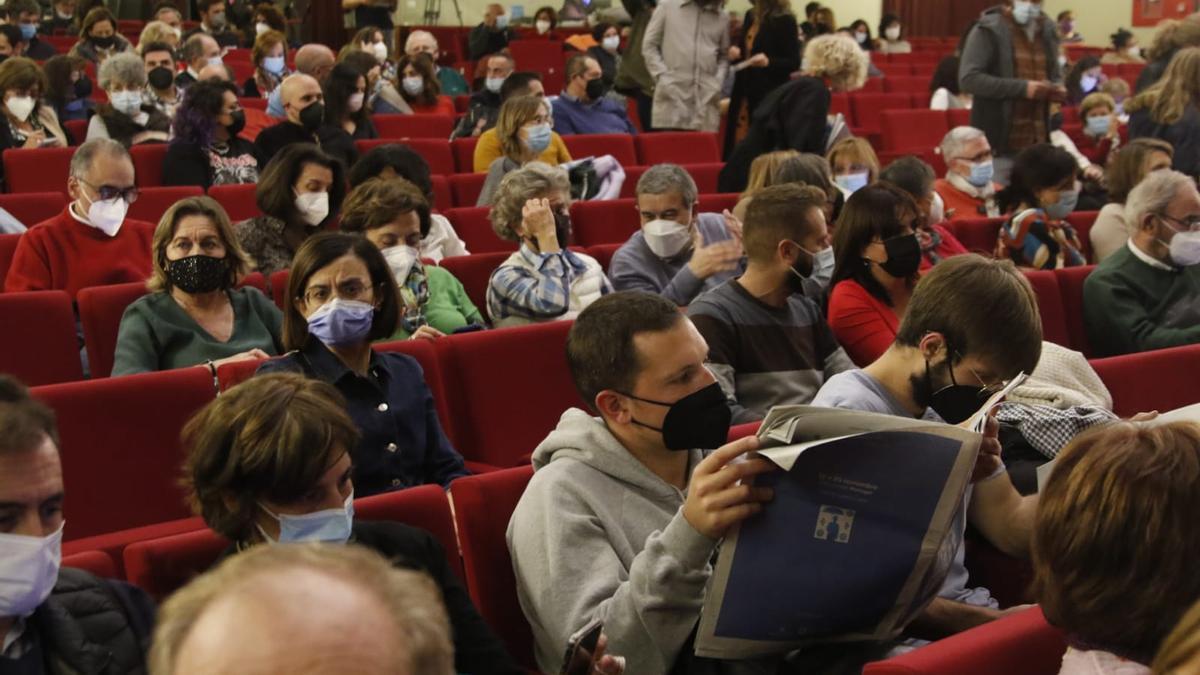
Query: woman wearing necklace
{"type": "Point", "coordinates": [206, 149]}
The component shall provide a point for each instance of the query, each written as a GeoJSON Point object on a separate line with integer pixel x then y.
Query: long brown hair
{"type": "Point", "coordinates": [1179, 88]}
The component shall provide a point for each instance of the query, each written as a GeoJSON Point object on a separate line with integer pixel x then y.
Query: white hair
{"type": "Point", "coordinates": [1153, 196]}
{"type": "Point", "coordinates": [953, 142]}
{"type": "Point", "coordinates": [419, 34]}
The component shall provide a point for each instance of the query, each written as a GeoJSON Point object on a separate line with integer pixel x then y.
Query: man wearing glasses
{"type": "Point", "coordinates": [1146, 295]}
{"type": "Point", "coordinates": [968, 190]}
{"type": "Point", "coordinates": [971, 325]}
{"type": "Point", "coordinates": [91, 243]}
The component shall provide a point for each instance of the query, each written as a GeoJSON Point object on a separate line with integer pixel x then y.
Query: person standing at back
{"type": "Point", "coordinates": [771, 52]}
{"type": "Point", "coordinates": [686, 49]}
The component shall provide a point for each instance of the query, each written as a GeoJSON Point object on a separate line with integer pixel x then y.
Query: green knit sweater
{"type": "Point", "coordinates": [1130, 306]}
{"type": "Point", "coordinates": [448, 308]}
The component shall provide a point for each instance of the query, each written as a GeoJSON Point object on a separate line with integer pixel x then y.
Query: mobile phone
{"type": "Point", "coordinates": [581, 648]}
{"type": "Point", "coordinates": [469, 328]}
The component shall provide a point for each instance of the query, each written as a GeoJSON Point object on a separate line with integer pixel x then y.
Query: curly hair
{"type": "Point", "coordinates": [271, 16]}
{"type": "Point", "coordinates": [535, 180]}
{"type": "Point", "coordinates": [125, 68]}
{"type": "Point", "coordinates": [838, 58]}
{"type": "Point", "coordinates": [423, 64]}
{"type": "Point", "coordinates": [196, 117]}
{"type": "Point", "coordinates": [1173, 35]}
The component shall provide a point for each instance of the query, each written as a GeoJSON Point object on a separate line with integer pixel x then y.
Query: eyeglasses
{"type": "Point", "coordinates": [351, 289]}
{"type": "Point", "coordinates": [981, 157]}
{"type": "Point", "coordinates": [1191, 224]}
{"type": "Point", "coordinates": [986, 390]}
{"type": "Point", "coordinates": [108, 192]}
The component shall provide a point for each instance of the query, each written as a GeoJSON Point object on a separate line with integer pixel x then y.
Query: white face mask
{"type": "Point", "coordinates": [823, 263]}
{"type": "Point", "coordinates": [178, 32]}
{"type": "Point", "coordinates": [937, 210]}
{"type": "Point", "coordinates": [313, 206]}
{"type": "Point", "coordinates": [892, 33]}
{"type": "Point", "coordinates": [260, 28]}
{"type": "Point", "coordinates": [355, 102]}
{"type": "Point", "coordinates": [128, 102]}
{"type": "Point", "coordinates": [1135, 51]}
{"type": "Point", "coordinates": [20, 106]}
{"type": "Point", "coordinates": [330, 526]}
{"type": "Point", "coordinates": [106, 215]}
{"type": "Point", "coordinates": [666, 238]}
{"type": "Point", "coordinates": [543, 26]}
{"type": "Point", "coordinates": [1184, 249]}
{"type": "Point", "coordinates": [28, 571]}
{"type": "Point", "coordinates": [612, 43]}
{"type": "Point", "coordinates": [401, 260]}
{"type": "Point", "coordinates": [380, 51]}
{"type": "Point", "coordinates": [413, 85]}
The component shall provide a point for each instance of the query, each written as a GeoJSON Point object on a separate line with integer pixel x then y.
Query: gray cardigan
{"type": "Point", "coordinates": [986, 72]}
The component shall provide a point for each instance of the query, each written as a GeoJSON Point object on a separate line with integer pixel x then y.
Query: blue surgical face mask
{"type": "Point", "coordinates": [853, 182]}
{"type": "Point", "coordinates": [330, 526]}
{"type": "Point", "coordinates": [1098, 126]}
{"type": "Point", "coordinates": [981, 173]}
{"type": "Point", "coordinates": [341, 322]}
{"type": "Point", "coordinates": [1087, 83]}
{"type": "Point", "coordinates": [823, 262]}
{"type": "Point", "coordinates": [1066, 204]}
{"type": "Point", "coordinates": [493, 84]}
{"type": "Point", "coordinates": [28, 30]}
{"type": "Point", "coordinates": [538, 138]}
{"type": "Point", "coordinates": [273, 65]}
{"type": "Point", "coordinates": [1023, 11]}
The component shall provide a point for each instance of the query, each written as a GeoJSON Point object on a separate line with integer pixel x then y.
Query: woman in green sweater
{"type": "Point", "coordinates": [394, 215]}
{"type": "Point", "coordinates": [193, 315]}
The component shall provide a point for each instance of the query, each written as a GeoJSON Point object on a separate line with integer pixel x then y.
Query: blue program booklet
{"type": "Point", "coordinates": [849, 547]}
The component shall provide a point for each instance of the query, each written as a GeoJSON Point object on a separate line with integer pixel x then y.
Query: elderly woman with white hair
{"type": "Point", "coordinates": [127, 118]}
{"type": "Point", "coordinates": [796, 115]}
{"type": "Point", "coordinates": [968, 190]}
{"type": "Point", "coordinates": [543, 280]}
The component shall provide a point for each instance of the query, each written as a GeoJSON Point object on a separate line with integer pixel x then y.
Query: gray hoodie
{"type": "Point", "coordinates": [597, 534]}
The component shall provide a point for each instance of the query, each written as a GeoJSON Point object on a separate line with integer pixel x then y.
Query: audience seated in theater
{"type": "Point", "coordinates": [303, 101]}
{"type": "Point", "coordinates": [370, 40]}
{"type": "Point", "coordinates": [393, 214]}
{"type": "Point", "coordinates": [1083, 79]}
{"type": "Point", "coordinates": [382, 98]}
{"type": "Point", "coordinates": [877, 257]}
{"type": "Point", "coordinates": [945, 94]}
{"type": "Point", "coordinates": [890, 40]}
{"type": "Point", "coordinates": [543, 280]}
{"type": "Point", "coordinates": [854, 164]}
{"type": "Point", "coordinates": [915, 177]}
{"type": "Point", "coordinates": [768, 343]}
{"type": "Point", "coordinates": [795, 115]}
{"type": "Point", "coordinates": [288, 608]}
{"type": "Point", "coordinates": [68, 88]}
{"type": "Point", "coordinates": [789, 166]}
{"type": "Point", "coordinates": [161, 92]}
{"type": "Point", "coordinates": [214, 23]}
{"type": "Point", "coordinates": [1168, 110]}
{"type": "Point", "coordinates": [972, 324]}
{"type": "Point", "coordinates": [300, 191]}
{"type": "Point", "coordinates": [1101, 136]}
{"type": "Point", "coordinates": [30, 121]}
{"type": "Point", "coordinates": [127, 117]}
{"type": "Point", "coordinates": [489, 148]}
{"type": "Point", "coordinates": [1043, 192]}
{"type": "Point", "coordinates": [763, 173]}
{"type": "Point", "coordinates": [968, 190]}
{"type": "Point", "coordinates": [1180, 651]}
{"type": "Point", "coordinates": [267, 17]}
{"type": "Point", "coordinates": [342, 297]}
{"type": "Point", "coordinates": [678, 253]}
{"type": "Point", "coordinates": [492, 35]}
{"type": "Point", "coordinates": [193, 315]}
{"type": "Point", "coordinates": [345, 92]}
{"type": "Point", "coordinates": [619, 522]}
{"type": "Point", "coordinates": [420, 88]}
{"type": "Point", "coordinates": [98, 37]}
{"type": "Point", "coordinates": [545, 21]}
{"type": "Point", "coordinates": [1118, 598]}
{"type": "Point", "coordinates": [686, 49]}
{"type": "Point", "coordinates": [583, 107]}
{"type": "Point", "coordinates": [166, 12]}
{"type": "Point", "coordinates": [27, 15]}
{"type": "Point", "coordinates": [1133, 163]}
{"type": "Point", "coordinates": [91, 243]}
{"type": "Point", "coordinates": [312, 59]}
{"type": "Point", "coordinates": [54, 619]}
{"type": "Point", "coordinates": [394, 160]}
{"type": "Point", "coordinates": [197, 52]}
{"type": "Point", "coordinates": [522, 135]}
{"type": "Point", "coordinates": [275, 453]}
{"type": "Point", "coordinates": [207, 149]}
{"type": "Point", "coordinates": [269, 57]}
{"type": "Point", "coordinates": [484, 105]}
{"type": "Point", "coordinates": [607, 51]}
{"type": "Point", "coordinates": [157, 31]}
{"type": "Point", "coordinates": [1146, 295]}
{"type": "Point", "coordinates": [61, 19]}
{"type": "Point", "coordinates": [423, 42]}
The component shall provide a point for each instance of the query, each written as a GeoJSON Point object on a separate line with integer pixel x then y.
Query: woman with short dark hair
{"type": "Point", "coordinates": [1043, 192]}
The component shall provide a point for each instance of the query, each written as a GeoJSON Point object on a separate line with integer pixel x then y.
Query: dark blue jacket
{"type": "Point", "coordinates": [602, 116]}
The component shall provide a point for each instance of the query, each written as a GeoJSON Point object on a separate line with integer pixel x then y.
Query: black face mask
{"type": "Point", "coordinates": [312, 117]}
{"type": "Point", "coordinates": [239, 122]}
{"type": "Point", "coordinates": [198, 274]}
{"type": "Point", "coordinates": [699, 420]}
{"type": "Point", "coordinates": [904, 256]}
{"type": "Point", "coordinates": [954, 402]}
{"type": "Point", "coordinates": [596, 89]}
{"type": "Point", "coordinates": [83, 86]}
{"type": "Point", "coordinates": [160, 77]}
{"type": "Point", "coordinates": [104, 42]}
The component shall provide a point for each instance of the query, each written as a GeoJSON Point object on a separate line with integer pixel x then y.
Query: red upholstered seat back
{"type": "Point", "coordinates": [677, 147]}
{"type": "Point", "coordinates": [1049, 298]}
{"type": "Point", "coordinates": [1070, 282]}
{"type": "Point", "coordinates": [32, 208]}
{"type": "Point", "coordinates": [153, 202]}
{"type": "Point", "coordinates": [40, 346]}
{"type": "Point", "coordinates": [100, 312]}
{"type": "Point", "coordinates": [98, 563]}
{"type": "Point", "coordinates": [237, 200]}
{"type": "Point", "coordinates": [148, 163]}
{"type": "Point", "coordinates": [619, 146]}
{"type": "Point", "coordinates": [37, 169]}
{"type": "Point", "coordinates": [603, 222]}
{"type": "Point", "coordinates": [1160, 380]}
{"type": "Point", "coordinates": [413, 126]}
{"type": "Point", "coordinates": [424, 507]}
{"type": "Point", "coordinates": [474, 272]}
{"type": "Point", "coordinates": [161, 566]}
{"type": "Point", "coordinates": [473, 227]}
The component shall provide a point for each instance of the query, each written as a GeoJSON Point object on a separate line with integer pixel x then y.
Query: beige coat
{"type": "Point", "coordinates": [686, 50]}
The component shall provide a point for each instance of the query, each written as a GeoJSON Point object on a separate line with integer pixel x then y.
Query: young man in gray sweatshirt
{"type": "Point", "coordinates": [624, 512]}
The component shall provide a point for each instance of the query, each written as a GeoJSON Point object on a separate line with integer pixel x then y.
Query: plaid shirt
{"type": "Point", "coordinates": [1029, 63]}
{"type": "Point", "coordinates": [539, 289]}
{"type": "Point", "coordinates": [1049, 429]}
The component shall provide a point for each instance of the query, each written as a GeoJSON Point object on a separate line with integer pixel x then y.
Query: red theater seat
{"type": "Point", "coordinates": [482, 508]}
{"type": "Point", "coordinates": [98, 563]}
{"type": "Point", "coordinates": [915, 84]}
{"type": "Point", "coordinates": [238, 200]}
{"type": "Point", "coordinates": [114, 543]}
{"type": "Point", "coordinates": [1162, 380]}
{"type": "Point", "coordinates": [484, 418]}
{"type": "Point", "coordinates": [37, 169]}
{"type": "Point", "coordinates": [604, 222]}
{"type": "Point", "coordinates": [120, 446]}
{"type": "Point", "coordinates": [425, 507]}
{"type": "Point", "coordinates": [474, 272]}
{"type": "Point", "coordinates": [537, 54]}
{"type": "Point", "coordinates": [603, 254]}
{"type": "Point", "coordinates": [677, 147]}
{"type": "Point", "coordinates": [76, 130]}
{"type": "Point", "coordinates": [413, 126]}
{"type": "Point", "coordinates": [978, 235]}
{"type": "Point", "coordinates": [279, 288]}
{"type": "Point", "coordinates": [1082, 222]}
{"type": "Point", "coordinates": [474, 228]}
{"type": "Point", "coordinates": [1070, 282]}
{"type": "Point", "coordinates": [619, 146]}
{"type": "Point", "coordinates": [465, 188]}
{"type": "Point", "coordinates": [869, 107]}
{"type": "Point", "coordinates": [426, 355]}
{"type": "Point", "coordinates": [913, 129]}
{"type": "Point", "coordinates": [1020, 643]}
{"type": "Point", "coordinates": [632, 175]}
{"type": "Point", "coordinates": [40, 346]}
{"type": "Point", "coordinates": [705, 176]}
{"type": "Point", "coordinates": [435, 151]}
{"type": "Point", "coordinates": [32, 208]}
{"type": "Point", "coordinates": [716, 203]}
{"type": "Point", "coordinates": [442, 197]}
{"type": "Point", "coordinates": [152, 202]}
{"type": "Point", "coordinates": [1049, 298]}
{"type": "Point", "coordinates": [464, 153]}
{"type": "Point", "coordinates": [960, 117]}
{"type": "Point", "coordinates": [230, 375]}
{"type": "Point", "coordinates": [148, 163]}
{"type": "Point", "coordinates": [100, 312]}
{"type": "Point", "coordinates": [162, 566]}
{"type": "Point", "coordinates": [8, 246]}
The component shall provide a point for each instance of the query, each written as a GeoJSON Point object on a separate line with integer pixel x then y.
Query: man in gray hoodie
{"type": "Point", "coordinates": [622, 517]}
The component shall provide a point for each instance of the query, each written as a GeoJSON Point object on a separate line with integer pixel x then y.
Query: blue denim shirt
{"type": "Point", "coordinates": [402, 442]}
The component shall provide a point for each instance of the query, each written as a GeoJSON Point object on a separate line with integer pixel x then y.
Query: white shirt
{"type": "Point", "coordinates": [14, 647]}
{"type": "Point", "coordinates": [1147, 258]}
{"type": "Point", "coordinates": [442, 241]}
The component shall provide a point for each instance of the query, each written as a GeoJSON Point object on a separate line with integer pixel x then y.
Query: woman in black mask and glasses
{"type": "Point", "coordinates": [206, 149]}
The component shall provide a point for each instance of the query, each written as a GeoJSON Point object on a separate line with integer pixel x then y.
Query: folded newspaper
{"type": "Point", "coordinates": [848, 549]}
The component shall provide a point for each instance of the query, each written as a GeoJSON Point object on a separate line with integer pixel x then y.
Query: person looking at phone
{"type": "Point", "coordinates": [30, 122]}
{"type": "Point", "coordinates": [625, 510]}
{"type": "Point", "coordinates": [972, 324]}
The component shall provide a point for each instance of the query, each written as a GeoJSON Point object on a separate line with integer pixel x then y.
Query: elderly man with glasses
{"type": "Point", "coordinates": [1146, 295]}
{"type": "Point", "coordinates": [968, 190]}
{"type": "Point", "coordinates": [92, 242]}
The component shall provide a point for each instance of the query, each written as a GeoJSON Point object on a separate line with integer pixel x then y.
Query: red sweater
{"type": "Point", "coordinates": [64, 254]}
{"type": "Point", "coordinates": [444, 106]}
{"type": "Point", "coordinates": [862, 324]}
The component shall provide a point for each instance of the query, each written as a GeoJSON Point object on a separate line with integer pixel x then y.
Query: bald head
{"type": "Point", "coordinates": [314, 59]}
{"type": "Point", "coordinates": [421, 42]}
{"type": "Point", "coordinates": [297, 92]}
